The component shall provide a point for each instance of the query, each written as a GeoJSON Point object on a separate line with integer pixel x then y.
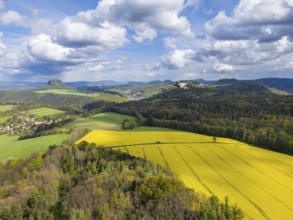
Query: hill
{"type": "Point", "coordinates": [56, 97]}
{"type": "Point", "coordinates": [246, 87]}
{"type": "Point", "coordinates": [259, 118]}
{"type": "Point", "coordinates": [225, 81]}
{"type": "Point", "coordinates": [86, 182]}
{"type": "Point", "coordinates": [279, 83]}
{"type": "Point", "coordinates": [136, 91]}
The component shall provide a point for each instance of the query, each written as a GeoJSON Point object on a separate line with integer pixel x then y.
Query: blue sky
{"type": "Point", "coordinates": [144, 40]}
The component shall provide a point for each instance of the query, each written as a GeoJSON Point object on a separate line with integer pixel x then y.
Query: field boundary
{"type": "Point", "coordinates": [248, 178]}
{"type": "Point", "coordinates": [257, 169]}
{"type": "Point", "coordinates": [193, 172]}
{"type": "Point", "coordinates": [163, 157]}
{"type": "Point", "coordinates": [163, 143]}
{"type": "Point", "coordinates": [261, 211]}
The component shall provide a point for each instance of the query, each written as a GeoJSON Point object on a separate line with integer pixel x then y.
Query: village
{"type": "Point", "coordinates": [25, 124]}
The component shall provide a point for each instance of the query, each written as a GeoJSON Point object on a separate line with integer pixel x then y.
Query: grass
{"type": "Point", "coordinates": [4, 108]}
{"type": "Point", "coordinates": [11, 147]}
{"type": "Point", "coordinates": [258, 180]}
{"type": "Point", "coordinates": [2, 119]}
{"type": "Point", "coordinates": [71, 94]}
{"type": "Point", "coordinates": [45, 111]}
{"type": "Point", "coordinates": [67, 92]}
{"type": "Point", "coordinates": [146, 128]}
{"type": "Point", "coordinates": [102, 121]}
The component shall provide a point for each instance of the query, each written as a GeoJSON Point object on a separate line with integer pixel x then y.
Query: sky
{"type": "Point", "coordinates": [145, 40]}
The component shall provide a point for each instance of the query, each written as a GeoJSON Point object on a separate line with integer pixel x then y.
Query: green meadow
{"type": "Point", "coordinates": [10, 146]}
{"type": "Point", "coordinates": [4, 108]}
{"type": "Point", "coordinates": [67, 92]}
{"type": "Point", "coordinates": [45, 111]}
{"type": "Point", "coordinates": [102, 121]}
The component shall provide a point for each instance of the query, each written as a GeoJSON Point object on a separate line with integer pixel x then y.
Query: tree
{"type": "Point", "coordinates": [214, 139]}
{"type": "Point", "coordinates": [127, 125]}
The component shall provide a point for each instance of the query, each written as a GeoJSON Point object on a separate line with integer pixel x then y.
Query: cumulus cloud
{"type": "Point", "coordinates": [176, 59]}
{"type": "Point", "coordinates": [193, 3]}
{"type": "Point", "coordinates": [179, 58]}
{"type": "Point", "coordinates": [257, 36]}
{"type": "Point", "coordinates": [11, 17]}
{"type": "Point", "coordinates": [43, 48]}
{"type": "Point", "coordinates": [144, 32]}
{"type": "Point", "coordinates": [2, 46]}
{"type": "Point", "coordinates": [189, 76]}
{"type": "Point", "coordinates": [222, 67]}
{"type": "Point", "coordinates": [247, 52]}
{"type": "Point", "coordinates": [2, 5]}
{"type": "Point", "coordinates": [145, 17]}
{"type": "Point", "coordinates": [170, 43]}
{"type": "Point", "coordinates": [263, 20]}
{"type": "Point", "coordinates": [77, 34]}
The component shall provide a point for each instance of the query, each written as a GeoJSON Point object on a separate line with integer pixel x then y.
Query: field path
{"type": "Point", "coordinates": [256, 206]}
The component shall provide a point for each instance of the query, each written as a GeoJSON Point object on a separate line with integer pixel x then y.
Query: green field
{"type": "Point", "coordinates": [45, 111]}
{"type": "Point", "coordinates": [11, 147]}
{"type": "Point", "coordinates": [4, 108]}
{"type": "Point", "coordinates": [67, 92]}
{"type": "Point", "coordinates": [102, 121]}
{"type": "Point", "coordinates": [259, 181]}
{"type": "Point", "coordinates": [2, 119]}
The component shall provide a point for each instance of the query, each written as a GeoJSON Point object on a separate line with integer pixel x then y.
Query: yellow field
{"type": "Point", "coordinates": [260, 182]}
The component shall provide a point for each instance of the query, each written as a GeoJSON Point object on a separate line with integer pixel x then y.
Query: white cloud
{"type": "Point", "coordinates": [78, 34]}
{"type": "Point", "coordinates": [264, 11]}
{"type": "Point", "coordinates": [2, 46]}
{"type": "Point", "coordinates": [144, 33]}
{"type": "Point", "coordinates": [11, 17]}
{"type": "Point", "coordinates": [170, 43]}
{"type": "Point", "coordinates": [264, 20]}
{"type": "Point", "coordinates": [42, 47]}
{"type": "Point", "coordinates": [189, 76]}
{"type": "Point", "coordinates": [179, 58]}
{"type": "Point", "coordinates": [2, 4]}
{"type": "Point", "coordinates": [154, 16]}
{"type": "Point", "coordinates": [175, 59]}
{"type": "Point", "coordinates": [222, 67]}
{"type": "Point", "coordinates": [256, 37]}
{"type": "Point", "coordinates": [193, 3]}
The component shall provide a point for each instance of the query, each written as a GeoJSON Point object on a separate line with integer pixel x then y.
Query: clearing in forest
{"type": "Point", "coordinates": [45, 111]}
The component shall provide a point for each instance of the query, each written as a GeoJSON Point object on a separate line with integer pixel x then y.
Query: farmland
{"type": "Point", "coordinates": [4, 108]}
{"type": "Point", "coordinates": [45, 111]}
{"type": "Point", "coordinates": [2, 119]}
{"type": "Point", "coordinates": [259, 181]}
{"type": "Point", "coordinates": [11, 147]}
{"type": "Point", "coordinates": [102, 121]}
{"type": "Point", "coordinates": [67, 92]}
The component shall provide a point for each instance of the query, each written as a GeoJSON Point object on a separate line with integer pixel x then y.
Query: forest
{"type": "Point", "coordinates": [256, 118]}
{"type": "Point", "coordinates": [89, 182]}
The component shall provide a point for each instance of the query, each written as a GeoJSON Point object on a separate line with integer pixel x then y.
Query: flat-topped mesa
{"type": "Point", "coordinates": [55, 82]}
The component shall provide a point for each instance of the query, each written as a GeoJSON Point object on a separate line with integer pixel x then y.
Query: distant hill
{"type": "Point", "coordinates": [279, 83]}
{"type": "Point", "coordinates": [161, 82]}
{"type": "Point", "coordinates": [247, 87]}
{"type": "Point", "coordinates": [252, 87]}
{"type": "Point", "coordinates": [20, 85]}
{"type": "Point", "coordinates": [55, 84]}
{"type": "Point", "coordinates": [226, 81]}
{"type": "Point", "coordinates": [103, 83]}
